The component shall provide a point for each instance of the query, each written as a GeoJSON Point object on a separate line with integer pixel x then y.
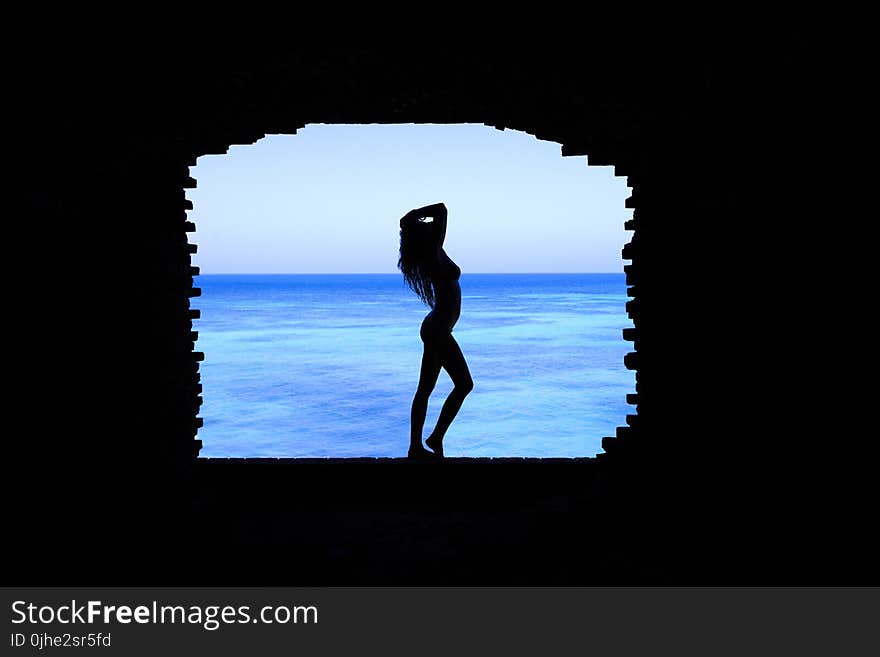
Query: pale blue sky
{"type": "Point", "coordinates": [328, 200]}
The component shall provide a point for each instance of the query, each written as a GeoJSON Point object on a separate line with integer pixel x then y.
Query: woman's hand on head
{"type": "Point", "coordinates": [410, 217]}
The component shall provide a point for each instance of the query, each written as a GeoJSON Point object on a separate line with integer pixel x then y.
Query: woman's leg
{"type": "Point", "coordinates": [431, 363]}
{"type": "Point", "coordinates": [452, 360]}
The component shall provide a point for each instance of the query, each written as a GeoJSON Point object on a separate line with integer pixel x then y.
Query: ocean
{"type": "Point", "coordinates": [326, 365]}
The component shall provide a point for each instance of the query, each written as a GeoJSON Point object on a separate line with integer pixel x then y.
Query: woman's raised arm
{"type": "Point", "coordinates": [438, 213]}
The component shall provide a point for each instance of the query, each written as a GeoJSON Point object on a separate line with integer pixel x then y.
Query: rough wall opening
{"type": "Point", "coordinates": [562, 422]}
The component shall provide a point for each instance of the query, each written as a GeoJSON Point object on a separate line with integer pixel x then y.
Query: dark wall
{"type": "Point", "coordinates": [710, 132]}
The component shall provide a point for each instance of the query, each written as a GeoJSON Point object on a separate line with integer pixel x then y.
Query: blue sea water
{"type": "Point", "coordinates": [326, 365]}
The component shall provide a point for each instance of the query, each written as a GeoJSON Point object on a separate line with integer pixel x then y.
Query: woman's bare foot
{"type": "Point", "coordinates": [436, 445]}
{"type": "Point", "coordinates": [419, 453]}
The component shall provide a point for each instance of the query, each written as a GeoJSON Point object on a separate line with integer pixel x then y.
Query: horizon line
{"type": "Point", "coordinates": [385, 273]}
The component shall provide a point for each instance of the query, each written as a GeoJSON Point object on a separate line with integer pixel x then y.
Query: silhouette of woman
{"type": "Point", "coordinates": [432, 275]}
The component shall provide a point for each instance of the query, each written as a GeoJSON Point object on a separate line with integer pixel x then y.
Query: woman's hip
{"type": "Point", "coordinates": [435, 329]}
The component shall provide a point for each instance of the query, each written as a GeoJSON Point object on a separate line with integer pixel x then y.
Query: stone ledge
{"type": "Point", "coordinates": [460, 482]}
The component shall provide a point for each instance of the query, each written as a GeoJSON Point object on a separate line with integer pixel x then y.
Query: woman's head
{"type": "Point", "coordinates": [417, 249]}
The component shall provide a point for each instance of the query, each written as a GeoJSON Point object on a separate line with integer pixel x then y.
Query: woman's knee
{"type": "Point", "coordinates": [464, 386]}
{"type": "Point", "coordinates": [423, 394]}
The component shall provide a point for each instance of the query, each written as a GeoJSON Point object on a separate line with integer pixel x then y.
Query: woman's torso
{"type": "Point", "coordinates": [447, 291]}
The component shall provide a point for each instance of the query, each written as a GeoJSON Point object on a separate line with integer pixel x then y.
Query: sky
{"type": "Point", "coordinates": [329, 200]}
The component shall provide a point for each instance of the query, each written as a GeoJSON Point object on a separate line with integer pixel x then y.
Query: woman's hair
{"type": "Point", "coordinates": [417, 245]}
